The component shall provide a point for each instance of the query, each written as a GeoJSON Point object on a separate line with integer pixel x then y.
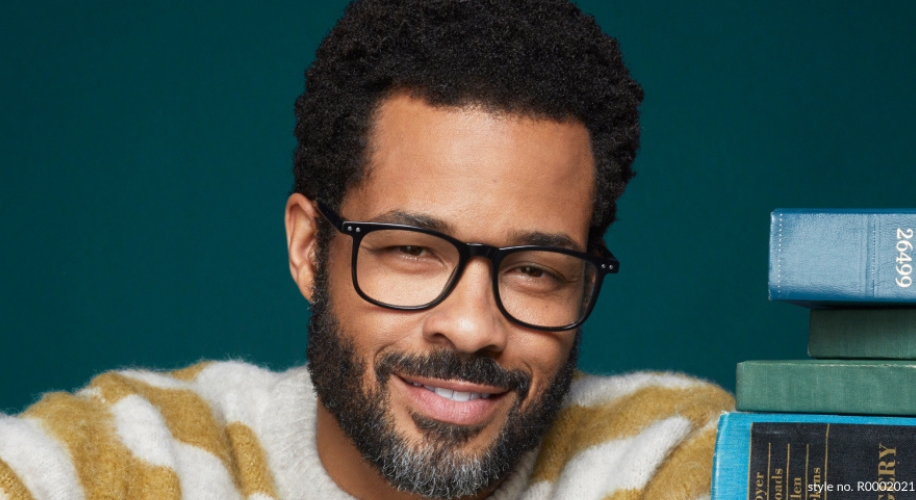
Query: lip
{"type": "Point", "coordinates": [454, 385]}
{"type": "Point", "coordinates": [474, 412]}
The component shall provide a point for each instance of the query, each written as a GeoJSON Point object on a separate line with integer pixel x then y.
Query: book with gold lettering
{"type": "Point", "coordinates": [771, 456]}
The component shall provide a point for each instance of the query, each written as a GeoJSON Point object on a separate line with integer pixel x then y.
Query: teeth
{"type": "Point", "coordinates": [455, 395]}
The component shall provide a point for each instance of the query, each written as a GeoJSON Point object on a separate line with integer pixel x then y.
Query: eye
{"type": "Point", "coordinates": [413, 251]}
{"type": "Point", "coordinates": [534, 272]}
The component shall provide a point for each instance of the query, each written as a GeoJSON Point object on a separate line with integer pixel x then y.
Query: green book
{"type": "Point", "coordinates": [846, 386]}
{"type": "Point", "coordinates": [862, 333]}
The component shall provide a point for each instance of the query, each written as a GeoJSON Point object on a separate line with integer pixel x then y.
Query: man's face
{"type": "Point", "coordinates": [387, 375]}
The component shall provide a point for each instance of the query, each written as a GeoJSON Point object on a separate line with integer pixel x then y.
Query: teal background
{"type": "Point", "coordinates": [146, 157]}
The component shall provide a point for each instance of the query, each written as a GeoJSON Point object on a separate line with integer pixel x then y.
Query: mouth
{"type": "Point", "coordinates": [460, 396]}
{"type": "Point", "coordinates": [452, 401]}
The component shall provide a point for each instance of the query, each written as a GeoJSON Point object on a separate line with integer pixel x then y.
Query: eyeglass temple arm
{"type": "Point", "coordinates": [603, 251]}
{"type": "Point", "coordinates": [330, 215]}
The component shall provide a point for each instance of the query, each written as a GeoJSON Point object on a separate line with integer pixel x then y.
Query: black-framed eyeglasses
{"type": "Point", "coordinates": [411, 268]}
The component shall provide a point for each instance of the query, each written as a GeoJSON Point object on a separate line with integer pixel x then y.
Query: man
{"type": "Point", "coordinates": [458, 164]}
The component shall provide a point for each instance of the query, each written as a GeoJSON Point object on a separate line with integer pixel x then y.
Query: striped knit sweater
{"type": "Point", "coordinates": [231, 430]}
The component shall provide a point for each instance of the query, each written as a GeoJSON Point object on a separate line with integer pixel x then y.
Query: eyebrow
{"type": "Point", "coordinates": [516, 238]}
{"type": "Point", "coordinates": [544, 239]}
{"type": "Point", "coordinates": [414, 219]}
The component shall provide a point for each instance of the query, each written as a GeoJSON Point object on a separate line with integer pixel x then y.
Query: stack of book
{"type": "Point", "coordinates": [843, 424]}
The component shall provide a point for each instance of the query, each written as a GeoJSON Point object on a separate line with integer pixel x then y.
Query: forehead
{"type": "Point", "coordinates": [484, 174]}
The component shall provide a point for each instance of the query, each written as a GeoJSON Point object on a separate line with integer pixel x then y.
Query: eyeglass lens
{"type": "Point", "coordinates": [405, 268]}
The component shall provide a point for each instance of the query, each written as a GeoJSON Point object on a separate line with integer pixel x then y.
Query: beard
{"type": "Point", "coordinates": [435, 467]}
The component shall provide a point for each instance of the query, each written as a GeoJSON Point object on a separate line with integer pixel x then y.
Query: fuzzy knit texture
{"type": "Point", "coordinates": [230, 430]}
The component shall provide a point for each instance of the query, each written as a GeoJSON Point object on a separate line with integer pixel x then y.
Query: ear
{"type": "Point", "coordinates": [302, 242]}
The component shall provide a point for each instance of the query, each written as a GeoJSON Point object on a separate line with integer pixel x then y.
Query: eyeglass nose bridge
{"type": "Point", "coordinates": [470, 251]}
{"type": "Point", "coordinates": [482, 250]}
{"type": "Point", "coordinates": [489, 252]}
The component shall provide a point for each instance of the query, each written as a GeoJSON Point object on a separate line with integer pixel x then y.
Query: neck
{"type": "Point", "coordinates": [352, 473]}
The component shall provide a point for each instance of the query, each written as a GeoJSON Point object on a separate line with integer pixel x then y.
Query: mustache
{"type": "Point", "coordinates": [446, 364]}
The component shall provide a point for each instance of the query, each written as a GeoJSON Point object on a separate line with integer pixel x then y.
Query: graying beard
{"type": "Point", "coordinates": [438, 473]}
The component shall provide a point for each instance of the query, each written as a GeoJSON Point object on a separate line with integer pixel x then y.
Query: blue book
{"type": "Point", "coordinates": [843, 258]}
{"type": "Point", "coordinates": [785, 456]}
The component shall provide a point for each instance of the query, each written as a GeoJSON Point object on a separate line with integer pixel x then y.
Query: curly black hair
{"type": "Point", "coordinates": [539, 58]}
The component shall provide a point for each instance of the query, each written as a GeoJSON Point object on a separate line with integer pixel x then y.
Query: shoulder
{"type": "Point", "coordinates": [160, 431]}
{"type": "Point", "coordinates": [644, 395]}
{"type": "Point", "coordinates": [227, 391]}
{"type": "Point", "coordinates": [633, 433]}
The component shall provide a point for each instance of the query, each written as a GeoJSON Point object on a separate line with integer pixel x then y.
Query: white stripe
{"type": "Point", "coordinates": [143, 430]}
{"type": "Point", "coordinates": [288, 439]}
{"type": "Point", "coordinates": [592, 390]}
{"type": "Point", "coordinates": [623, 464]}
{"type": "Point", "coordinates": [239, 390]}
{"type": "Point", "coordinates": [202, 475]}
{"type": "Point", "coordinates": [3, 495]}
{"type": "Point", "coordinates": [261, 496]}
{"type": "Point", "coordinates": [538, 491]}
{"type": "Point", "coordinates": [41, 462]}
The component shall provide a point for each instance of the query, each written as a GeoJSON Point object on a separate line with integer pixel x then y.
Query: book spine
{"type": "Point", "coordinates": [813, 457]}
{"type": "Point", "coordinates": [862, 333]}
{"type": "Point", "coordinates": [840, 258]}
{"type": "Point", "coordinates": [827, 386]}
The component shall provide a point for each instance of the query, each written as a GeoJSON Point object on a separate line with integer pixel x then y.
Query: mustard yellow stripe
{"type": "Point", "coordinates": [152, 482]}
{"type": "Point", "coordinates": [112, 387]}
{"type": "Point", "coordinates": [105, 467]}
{"type": "Point", "coordinates": [626, 495]}
{"type": "Point", "coordinates": [687, 473]}
{"type": "Point", "coordinates": [190, 373]}
{"type": "Point", "coordinates": [186, 414]}
{"type": "Point", "coordinates": [579, 427]}
{"type": "Point", "coordinates": [11, 485]}
{"type": "Point", "coordinates": [250, 461]}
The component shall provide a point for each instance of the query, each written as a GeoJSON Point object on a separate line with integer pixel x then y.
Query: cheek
{"type": "Point", "coordinates": [543, 354]}
{"type": "Point", "coordinates": [372, 329]}
{"type": "Point", "coordinates": [342, 295]}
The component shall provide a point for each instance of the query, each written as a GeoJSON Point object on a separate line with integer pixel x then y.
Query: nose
{"type": "Point", "coordinates": [468, 320]}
